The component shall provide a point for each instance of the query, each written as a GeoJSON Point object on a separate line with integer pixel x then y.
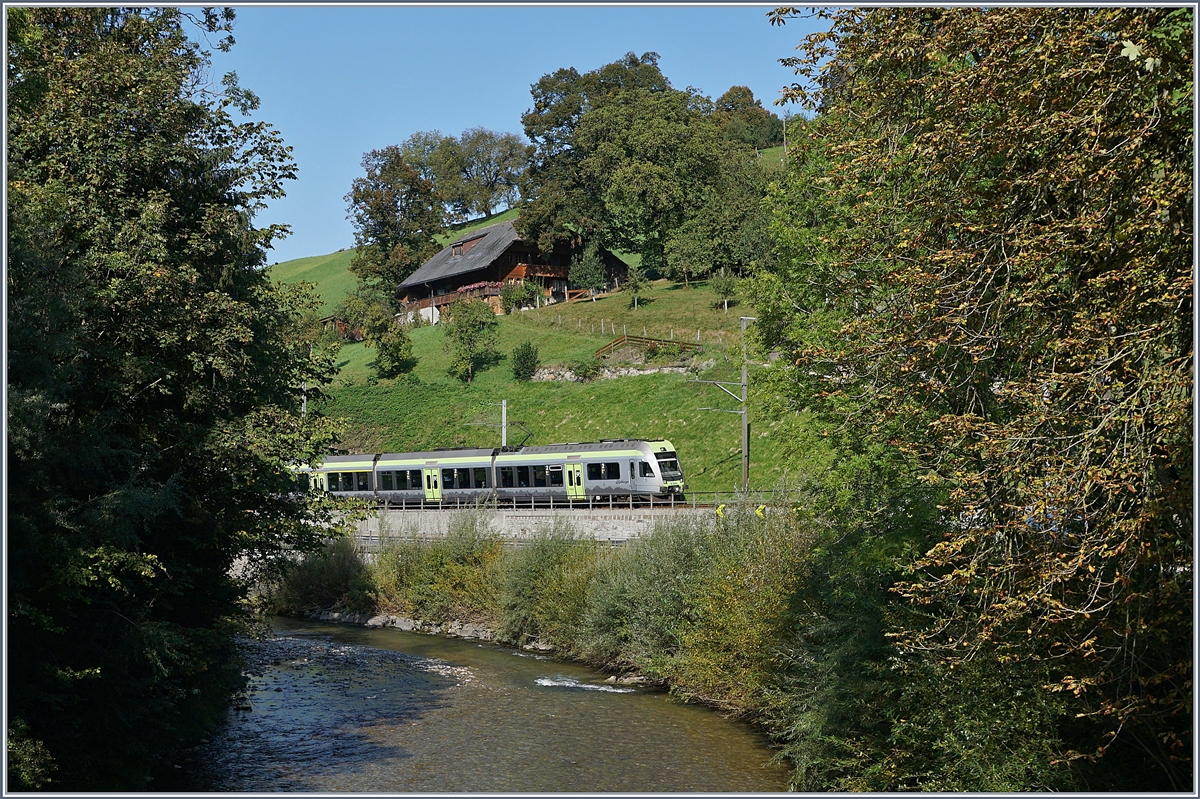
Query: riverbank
{"type": "Point", "coordinates": [699, 606]}
{"type": "Point", "coordinates": [451, 629]}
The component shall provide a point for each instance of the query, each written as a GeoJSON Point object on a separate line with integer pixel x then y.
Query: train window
{"type": "Point", "coordinates": [506, 476]}
{"type": "Point", "coordinates": [604, 471]}
{"type": "Point", "coordinates": [414, 479]}
{"type": "Point", "coordinates": [522, 477]}
{"type": "Point", "coordinates": [363, 480]}
{"type": "Point", "coordinates": [555, 475]}
{"type": "Point", "coordinates": [539, 476]}
{"type": "Point", "coordinates": [464, 478]}
{"type": "Point", "coordinates": [448, 478]}
{"type": "Point", "coordinates": [346, 483]}
{"type": "Point", "coordinates": [646, 471]}
{"type": "Point", "coordinates": [481, 480]}
{"type": "Point", "coordinates": [385, 481]}
{"type": "Point", "coordinates": [668, 464]}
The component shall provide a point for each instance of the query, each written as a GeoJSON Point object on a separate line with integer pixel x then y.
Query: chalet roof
{"type": "Point", "coordinates": [496, 239]}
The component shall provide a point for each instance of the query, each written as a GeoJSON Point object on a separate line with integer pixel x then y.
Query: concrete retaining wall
{"type": "Point", "coordinates": [615, 525]}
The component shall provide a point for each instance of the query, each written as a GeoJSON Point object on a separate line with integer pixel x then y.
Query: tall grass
{"type": "Point", "coordinates": [454, 577]}
{"type": "Point", "coordinates": [700, 604]}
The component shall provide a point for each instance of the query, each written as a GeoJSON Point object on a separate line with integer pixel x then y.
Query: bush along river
{"type": "Point", "coordinates": [340, 708]}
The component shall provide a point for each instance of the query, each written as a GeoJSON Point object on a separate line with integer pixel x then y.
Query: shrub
{"type": "Point", "coordinates": [586, 370]}
{"type": "Point", "coordinates": [524, 361]}
{"type": "Point", "coordinates": [663, 353]}
{"type": "Point", "coordinates": [541, 594]}
{"type": "Point", "coordinates": [725, 286]}
{"type": "Point", "coordinates": [334, 578]}
{"type": "Point", "coordinates": [443, 579]}
{"type": "Point", "coordinates": [516, 295]}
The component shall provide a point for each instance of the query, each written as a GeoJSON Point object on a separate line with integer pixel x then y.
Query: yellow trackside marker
{"type": "Point", "coordinates": [721, 511]}
{"type": "Point", "coordinates": [759, 511]}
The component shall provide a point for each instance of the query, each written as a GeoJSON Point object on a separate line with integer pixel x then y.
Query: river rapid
{"type": "Point", "coordinates": [335, 708]}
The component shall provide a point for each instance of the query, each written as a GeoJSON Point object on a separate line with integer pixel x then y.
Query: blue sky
{"type": "Point", "coordinates": [340, 81]}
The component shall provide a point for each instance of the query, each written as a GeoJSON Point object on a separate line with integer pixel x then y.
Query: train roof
{"type": "Point", "coordinates": [435, 454]}
{"type": "Point", "coordinates": [605, 445]}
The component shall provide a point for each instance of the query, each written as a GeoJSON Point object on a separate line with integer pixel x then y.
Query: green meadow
{"type": "Point", "coordinates": [427, 408]}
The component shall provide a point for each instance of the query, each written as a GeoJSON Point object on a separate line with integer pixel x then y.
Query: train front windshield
{"type": "Point", "coordinates": [668, 464]}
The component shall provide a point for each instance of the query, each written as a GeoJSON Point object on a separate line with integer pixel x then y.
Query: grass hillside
{"type": "Point", "coordinates": [428, 408]}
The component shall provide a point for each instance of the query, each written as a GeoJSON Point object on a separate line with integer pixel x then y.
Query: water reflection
{"type": "Point", "coordinates": [336, 708]}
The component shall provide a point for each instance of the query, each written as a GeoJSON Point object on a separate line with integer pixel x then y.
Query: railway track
{"type": "Point", "coordinates": [710, 501]}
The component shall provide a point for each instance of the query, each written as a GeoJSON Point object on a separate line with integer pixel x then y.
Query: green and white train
{"type": "Point", "coordinates": [609, 469]}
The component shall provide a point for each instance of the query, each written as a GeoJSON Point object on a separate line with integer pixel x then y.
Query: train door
{"type": "Point", "coordinates": [433, 488]}
{"type": "Point", "coordinates": [574, 479]}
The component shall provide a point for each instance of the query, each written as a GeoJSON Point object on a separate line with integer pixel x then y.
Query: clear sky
{"type": "Point", "coordinates": [338, 81]}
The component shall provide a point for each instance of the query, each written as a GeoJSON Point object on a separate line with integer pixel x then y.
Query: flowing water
{"type": "Point", "coordinates": [340, 708]}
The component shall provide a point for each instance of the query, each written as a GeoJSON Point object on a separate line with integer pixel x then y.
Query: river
{"type": "Point", "coordinates": [344, 708]}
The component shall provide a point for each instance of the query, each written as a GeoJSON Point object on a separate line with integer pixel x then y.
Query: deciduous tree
{"type": "Point", "coordinates": [587, 269]}
{"type": "Point", "coordinates": [396, 215]}
{"type": "Point", "coordinates": [559, 205]}
{"type": "Point", "coordinates": [155, 380]}
{"type": "Point", "coordinates": [741, 117]}
{"type": "Point", "coordinates": [635, 284]}
{"type": "Point", "coordinates": [470, 329]}
{"type": "Point", "coordinates": [988, 264]}
{"type": "Point", "coordinates": [370, 310]}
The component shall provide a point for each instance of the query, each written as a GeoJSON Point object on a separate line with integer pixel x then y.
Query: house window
{"type": "Point", "coordinates": [456, 250]}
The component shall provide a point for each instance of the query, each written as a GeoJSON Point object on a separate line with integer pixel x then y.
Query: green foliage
{"type": "Point", "coordinates": [622, 158]}
{"type": "Point", "coordinates": [367, 309]}
{"type": "Point", "coordinates": [517, 295]}
{"type": "Point", "coordinates": [587, 270]}
{"type": "Point", "coordinates": [334, 578]}
{"type": "Point", "coordinates": [543, 586]}
{"type": "Point", "coordinates": [586, 369]}
{"type": "Point", "coordinates": [30, 766]}
{"type": "Point", "coordinates": [635, 284]}
{"type": "Point", "coordinates": [649, 157]}
{"type": "Point", "coordinates": [725, 286]}
{"type": "Point", "coordinates": [967, 268]}
{"type": "Point", "coordinates": [396, 215]}
{"type": "Point", "coordinates": [155, 379]}
{"type": "Point", "coordinates": [470, 329]}
{"type": "Point", "coordinates": [472, 174]}
{"type": "Point", "coordinates": [557, 207]}
{"type": "Point", "coordinates": [524, 361]}
{"type": "Point", "coordinates": [741, 118]}
{"type": "Point", "coordinates": [444, 579]}
{"type": "Point", "coordinates": [663, 353]}
{"type": "Point", "coordinates": [728, 230]}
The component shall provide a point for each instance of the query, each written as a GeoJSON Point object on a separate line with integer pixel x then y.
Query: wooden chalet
{"type": "Point", "coordinates": [479, 265]}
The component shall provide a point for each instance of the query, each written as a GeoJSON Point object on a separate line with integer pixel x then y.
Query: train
{"type": "Point", "coordinates": [548, 474]}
